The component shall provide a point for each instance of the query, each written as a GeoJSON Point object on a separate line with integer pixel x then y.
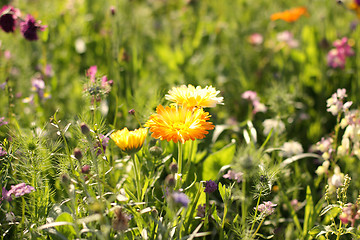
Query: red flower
{"type": "Point", "coordinates": [29, 28]}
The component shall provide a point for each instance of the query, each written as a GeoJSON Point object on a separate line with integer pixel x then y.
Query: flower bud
{"type": "Point", "coordinates": [132, 112]}
{"type": "Point", "coordinates": [170, 181]}
{"type": "Point", "coordinates": [85, 169]}
{"type": "Point", "coordinates": [84, 128]}
{"type": "Point", "coordinates": [173, 167]}
{"type": "Point", "coordinates": [78, 154]}
{"type": "Point", "coordinates": [156, 151]}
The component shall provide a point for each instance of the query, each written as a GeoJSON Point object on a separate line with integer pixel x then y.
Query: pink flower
{"type": "Point", "coordinates": [256, 39]}
{"type": "Point", "coordinates": [91, 73]}
{"type": "Point", "coordinates": [8, 16]}
{"type": "Point", "coordinates": [267, 208]}
{"type": "Point", "coordinates": [249, 95]}
{"type": "Point", "coordinates": [287, 37]}
{"type": "Point", "coordinates": [336, 57]}
{"type": "Point", "coordinates": [29, 28]}
{"type": "Point", "coordinates": [238, 176]}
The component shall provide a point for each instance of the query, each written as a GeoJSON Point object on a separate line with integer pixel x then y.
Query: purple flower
{"type": "Point", "coordinates": [17, 191]}
{"type": "Point", "coordinates": [2, 121]}
{"type": "Point", "coordinates": [181, 198]}
{"type": "Point", "coordinates": [29, 28]}
{"type": "Point", "coordinates": [210, 186]}
{"type": "Point", "coordinates": [267, 208]}
{"type": "Point", "coordinates": [8, 16]}
{"type": "Point", "coordinates": [2, 86]}
{"type": "Point", "coordinates": [2, 152]}
{"type": "Point", "coordinates": [48, 70]}
{"type": "Point", "coordinates": [201, 210]}
{"type": "Point", "coordinates": [103, 145]}
{"type": "Point", "coordinates": [234, 175]}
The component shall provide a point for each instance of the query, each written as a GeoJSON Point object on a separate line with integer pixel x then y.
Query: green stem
{"type": "Point", "coordinates": [256, 211]}
{"type": "Point", "coordinates": [179, 173]}
{"type": "Point", "coordinates": [257, 229]}
{"type": "Point", "coordinates": [137, 177]}
{"type": "Point", "coordinates": [243, 204]}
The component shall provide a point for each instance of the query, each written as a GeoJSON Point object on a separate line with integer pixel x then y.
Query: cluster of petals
{"type": "Point", "coordinates": [129, 141]}
{"type": "Point", "coordinates": [210, 186]}
{"type": "Point", "coordinates": [2, 121]}
{"type": "Point", "coordinates": [232, 175]}
{"type": "Point", "coordinates": [256, 39]}
{"type": "Point", "coordinates": [267, 208]}
{"type": "Point", "coordinates": [336, 103]}
{"type": "Point", "coordinates": [254, 99]}
{"type": "Point", "coordinates": [10, 17]}
{"type": "Point", "coordinates": [290, 15]}
{"type": "Point", "coordinates": [337, 56]}
{"type": "Point", "coordinates": [190, 97]}
{"type": "Point", "coordinates": [179, 124]}
{"type": "Point", "coordinates": [16, 191]}
{"type": "Point", "coordinates": [350, 213]}
{"type": "Point", "coordinates": [288, 38]}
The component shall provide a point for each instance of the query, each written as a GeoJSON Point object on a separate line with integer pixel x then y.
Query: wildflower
{"type": "Point", "coordinates": [255, 39]}
{"type": "Point", "coordinates": [85, 169]}
{"type": "Point", "coordinates": [8, 17]}
{"type": "Point", "coordinates": [91, 73]}
{"type": "Point", "coordinates": [337, 56]}
{"type": "Point", "coordinates": [288, 38]}
{"type": "Point", "coordinates": [295, 204]}
{"type": "Point", "coordinates": [132, 111]}
{"type": "Point", "coordinates": [121, 220]}
{"type": "Point", "coordinates": [2, 121]}
{"type": "Point", "coordinates": [179, 124]}
{"type": "Point", "coordinates": [180, 198]}
{"type": "Point", "coordinates": [254, 99]}
{"type": "Point", "coordinates": [267, 208]}
{"type": "Point", "coordinates": [336, 103]}
{"type": "Point", "coordinates": [2, 151]}
{"type": "Point", "coordinates": [290, 15]}
{"type": "Point", "coordinates": [29, 28]}
{"type": "Point", "coordinates": [129, 141]}
{"type": "Point", "coordinates": [350, 213]}
{"type": "Point", "coordinates": [238, 176]}
{"type": "Point", "coordinates": [189, 96]}
{"type": "Point", "coordinates": [201, 210]}
{"type": "Point", "coordinates": [38, 86]}
{"type": "Point", "coordinates": [292, 148]}
{"type": "Point", "coordinates": [336, 180]}
{"type": "Point", "coordinates": [16, 191]}
{"type": "Point", "coordinates": [276, 124]}
{"type": "Point", "coordinates": [48, 70]}
{"type": "Point", "coordinates": [101, 144]}
{"type": "Point", "coordinates": [210, 186]}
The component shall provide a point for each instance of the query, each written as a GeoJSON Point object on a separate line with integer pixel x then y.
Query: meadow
{"type": "Point", "coordinates": [179, 119]}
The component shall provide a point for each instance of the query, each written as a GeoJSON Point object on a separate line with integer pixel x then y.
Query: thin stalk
{"type": "Point", "coordinates": [257, 229]}
{"type": "Point", "coordinates": [179, 173]}
{"type": "Point", "coordinates": [256, 211]}
{"type": "Point", "coordinates": [243, 203]}
{"type": "Point", "coordinates": [137, 177]}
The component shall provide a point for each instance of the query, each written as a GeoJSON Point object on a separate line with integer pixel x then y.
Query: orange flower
{"type": "Point", "coordinates": [179, 124]}
{"type": "Point", "coordinates": [290, 15]}
{"type": "Point", "coordinates": [355, 6]}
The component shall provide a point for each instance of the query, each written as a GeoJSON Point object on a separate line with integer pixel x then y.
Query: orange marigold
{"type": "Point", "coordinates": [179, 123]}
{"type": "Point", "coordinates": [290, 15]}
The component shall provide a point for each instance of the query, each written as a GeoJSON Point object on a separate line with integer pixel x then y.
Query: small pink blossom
{"type": "Point", "coordinates": [238, 176]}
{"type": "Point", "coordinates": [256, 39]}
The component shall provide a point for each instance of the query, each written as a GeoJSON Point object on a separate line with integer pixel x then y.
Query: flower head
{"type": "Point", "coordinates": [232, 175]}
{"type": "Point", "coordinates": [179, 124]}
{"type": "Point", "coordinates": [267, 208]}
{"type": "Point", "coordinates": [210, 186]}
{"type": "Point", "coordinates": [189, 96]}
{"type": "Point", "coordinates": [290, 15]}
{"type": "Point", "coordinates": [181, 198]}
{"type": "Point", "coordinates": [29, 28]}
{"type": "Point", "coordinates": [8, 16]}
{"type": "Point", "coordinates": [129, 141]}
{"type": "Point", "coordinates": [16, 191]}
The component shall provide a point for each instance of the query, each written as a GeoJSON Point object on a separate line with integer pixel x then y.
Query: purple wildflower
{"type": "Point", "coordinates": [210, 186]}
{"type": "Point", "coordinates": [201, 210]}
{"type": "Point", "coordinates": [2, 86]}
{"type": "Point", "coordinates": [2, 152]}
{"type": "Point", "coordinates": [238, 176]}
{"type": "Point", "coordinates": [2, 121]}
{"type": "Point", "coordinates": [267, 208]}
{"type": "Point", "coordinates": [17, 191]}
{"type": "Point", "coordinates": [181, 198]}
{"type": "Point", "coordinates": [8, 16]}
{"type": "Point", "coordinates": [6, 195]}
{"type": "Point", "coordinates": [29, 28]}
{"type": "Point", "coordinates": [38, 86]}
{"type": "Point", "coordinates": [104, 143]}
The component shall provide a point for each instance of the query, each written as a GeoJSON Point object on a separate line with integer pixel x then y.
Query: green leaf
{"type": "Point", "coordinates": [67, 230]}
{"type": "Point", "coordinates": [217, 160]}
{"type": "Point", "coordinates": [309, 209]}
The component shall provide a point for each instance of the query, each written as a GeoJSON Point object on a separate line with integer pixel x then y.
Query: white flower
{"type": "Point", "coordinates": [276, 124]}
{"type": "Point", "coordinates": [292, 148]}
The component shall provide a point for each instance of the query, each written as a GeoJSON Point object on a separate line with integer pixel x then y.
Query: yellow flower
{"type": "Point", "coordinates": [129, 141]}
{"type": "Point", "coordinates": [189, 96]}
{"type": "Point", "coordinates": [179, 124]}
